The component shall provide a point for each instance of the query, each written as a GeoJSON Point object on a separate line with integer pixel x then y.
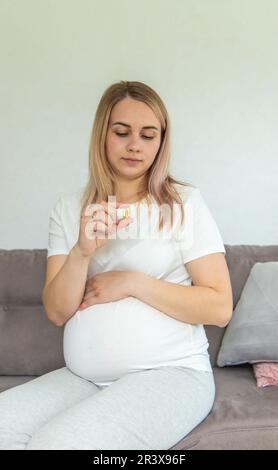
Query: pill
{"type": "Point", "coordinates": [123, 212]}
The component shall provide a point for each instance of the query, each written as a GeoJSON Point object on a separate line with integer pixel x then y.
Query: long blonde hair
{"type": "Point", "coordinates": [102, 178]}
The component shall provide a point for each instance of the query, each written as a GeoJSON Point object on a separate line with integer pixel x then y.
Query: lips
{"type": "Point", "coordinates": [132, 159]}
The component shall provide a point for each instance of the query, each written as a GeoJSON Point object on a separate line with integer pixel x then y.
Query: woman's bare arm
{"type": "Point", "coordinates": [65, 285]}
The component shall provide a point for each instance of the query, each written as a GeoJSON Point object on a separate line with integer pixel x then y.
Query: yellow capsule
{"type": "Point", "coordinates": [126, 212]}
{"type": "Point", "coordinates": [123, 212]}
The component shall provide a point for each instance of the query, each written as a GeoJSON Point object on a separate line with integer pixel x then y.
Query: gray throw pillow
{"type": "Point", "coordinates": [252, 334]}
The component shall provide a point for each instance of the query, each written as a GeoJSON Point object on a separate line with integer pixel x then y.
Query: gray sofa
{"type": "Point", "coordinates": [243, 416]}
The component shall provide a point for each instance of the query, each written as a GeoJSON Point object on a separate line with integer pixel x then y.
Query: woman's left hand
{"type": "Point", "coordinates": [107, 287]}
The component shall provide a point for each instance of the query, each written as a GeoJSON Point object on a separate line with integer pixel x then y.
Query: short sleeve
{"type": "Point", "coordinates": [200, 234]}
{"type": "Point", "coordinates": [57, 244]}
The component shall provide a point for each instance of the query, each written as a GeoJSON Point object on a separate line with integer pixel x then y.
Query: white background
{"type": "Point", "coordinates": [214, 64]}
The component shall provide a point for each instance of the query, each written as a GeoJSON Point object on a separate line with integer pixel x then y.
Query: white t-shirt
{"type": "Point", "coordinates": [105, 341]}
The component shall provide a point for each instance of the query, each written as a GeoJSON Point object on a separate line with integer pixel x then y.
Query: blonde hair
{"type": "Point", "coordinates": [102, 178]}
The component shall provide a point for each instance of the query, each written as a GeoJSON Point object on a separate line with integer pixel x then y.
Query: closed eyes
{"type": "Point", "coordinates": [123, 135]}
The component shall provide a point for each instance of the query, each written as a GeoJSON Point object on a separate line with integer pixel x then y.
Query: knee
{"type": "Point", "coordinates": [13, 431]}
{"type": "Point", "coordinates": [45, 439]}
{"type": "Point", "coordinates": [41, 441]}
{"type": "Point", "coordinates": [12, 437]}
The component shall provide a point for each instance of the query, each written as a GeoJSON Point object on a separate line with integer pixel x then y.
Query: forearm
{"type": "Point", "coordinates": [64, 293]}
{"type": "Point", "coordinates": [189, 304]}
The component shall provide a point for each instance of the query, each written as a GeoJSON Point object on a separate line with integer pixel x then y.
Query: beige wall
{"type": "Point", "coordinates": [215, 65]}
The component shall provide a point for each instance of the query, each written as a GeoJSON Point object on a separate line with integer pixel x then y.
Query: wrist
{"type": "Point", "coordinates": [136, 283]}
{"type": "Point", "coordinates": [77, 252]}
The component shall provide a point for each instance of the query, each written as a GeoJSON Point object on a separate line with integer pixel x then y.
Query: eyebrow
{"type": "Point", "coordinates": [127, 125]}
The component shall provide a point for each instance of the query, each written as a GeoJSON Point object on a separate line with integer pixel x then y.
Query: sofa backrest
{"type": "Point", "coordinates": [31, 345]}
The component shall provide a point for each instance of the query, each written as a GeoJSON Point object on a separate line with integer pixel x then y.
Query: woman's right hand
{"type": "Point", "coordinates": [94, 231]}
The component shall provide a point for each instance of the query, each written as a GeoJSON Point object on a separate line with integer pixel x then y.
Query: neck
{"type": "Point", "coordinates": [130, 198]}
{"type": "Point", "coordinates": [128, 195]}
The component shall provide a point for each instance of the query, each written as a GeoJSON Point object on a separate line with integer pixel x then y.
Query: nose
{"type": "Point", "coordinates": [133, 144]}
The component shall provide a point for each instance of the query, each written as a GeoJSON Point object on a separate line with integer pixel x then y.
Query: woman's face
{"type": "Point", "coordinates": [132, 139]}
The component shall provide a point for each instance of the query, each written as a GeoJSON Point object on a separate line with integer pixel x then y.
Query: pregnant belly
{"type": "Point", "coordinates": [105, 341]}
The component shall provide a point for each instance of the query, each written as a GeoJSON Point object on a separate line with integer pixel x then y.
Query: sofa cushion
{"type": "Point", "coordinates": [22, 274]}
{"type": "Point", "coordinates": [29, 343]}
{"type": "Point", "coordinates": [243, 416]}
{"type": "Point", "coordinates": [240, 260]}
{"type": "Point", "coordinates": [252, 334]}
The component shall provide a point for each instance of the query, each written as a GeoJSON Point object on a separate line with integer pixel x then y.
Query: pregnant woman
{"type": "Point", "coordinates": [132, 289]}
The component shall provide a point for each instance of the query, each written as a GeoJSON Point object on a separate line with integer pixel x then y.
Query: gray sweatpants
{"type": "Point", "coordinates": [150, 409]}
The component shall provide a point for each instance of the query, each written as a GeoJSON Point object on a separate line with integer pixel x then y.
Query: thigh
{"type": "Point", "coordinates": [26, 407]}
{"type": "Point", "coordinates": [150, 409]}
